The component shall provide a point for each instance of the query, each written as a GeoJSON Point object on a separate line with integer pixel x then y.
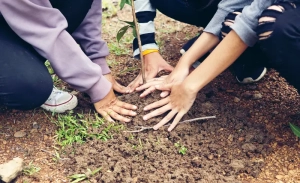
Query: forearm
{"type": "Point", "coordinates": [202, 45]}
{"type": "Point", "coordinates": [219, 60]}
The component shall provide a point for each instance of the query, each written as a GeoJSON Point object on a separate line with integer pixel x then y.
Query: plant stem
{"type": "Point", "coordinates": [139, 41]}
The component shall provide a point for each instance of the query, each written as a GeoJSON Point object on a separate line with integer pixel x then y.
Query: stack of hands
{"type": "Point", "coordinates": [177, 97]}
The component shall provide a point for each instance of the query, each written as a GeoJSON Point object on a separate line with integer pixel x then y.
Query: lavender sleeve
{"type": "Point", "coordinates": [43, 27]}
{"type": "Point", "coordinates": [88, 35]}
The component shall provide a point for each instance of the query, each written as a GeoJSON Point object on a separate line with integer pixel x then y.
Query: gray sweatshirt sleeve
{"type": "Point", "coordinates": [88, 35]}
{"type": "Point", "coordinates": [43, 27]}
{"type": "Point", "coordinates": [245, 23]}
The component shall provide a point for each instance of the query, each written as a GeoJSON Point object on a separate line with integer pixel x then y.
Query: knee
{"type": "Point", "coordinates": [29, 93]}
{"type": "Point", "coordinates": [273, 20]}
{"type": "Point", "coordinates": [228, 22]}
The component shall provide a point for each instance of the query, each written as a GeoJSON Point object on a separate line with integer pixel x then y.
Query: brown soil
{"type": "Point", "coordinates": [249, 141]}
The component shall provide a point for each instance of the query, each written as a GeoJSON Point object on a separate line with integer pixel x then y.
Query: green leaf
{"type": "Point", "coordinates": [295, 129]}
{"type": "Point", "coordinates": [121, 32]}
{"type": "Point", "coordinates": [129, 23]}
{"type": "Point", "coordinates": [123, 2]}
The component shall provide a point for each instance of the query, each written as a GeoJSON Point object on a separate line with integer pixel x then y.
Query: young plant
{"type": "Point", "coordinates": [31, 169]}
{"type": "Point", "coordinates": [181, 149]}
{"type": "Point", "coordinates": [84, 176]}
{"type": "Point", "coordinates": [295, 129]}
{"type": "Point", "coordinates": [134, 26]}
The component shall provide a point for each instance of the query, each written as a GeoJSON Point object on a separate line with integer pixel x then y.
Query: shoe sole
{"type": "Point", "coordinates": [70, 105]}
{"type": "Point", "coordinates": [250, 80]}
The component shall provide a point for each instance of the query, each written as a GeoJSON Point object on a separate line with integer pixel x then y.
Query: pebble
{"type": "Point", "coordinates": [241, 139]}
{"type": "Point", "coordinates": [35, 125]}
{"type": "Point", "coordinates": [4, 142]}
{"type": "Point", "coordinates": [275, 112]}
{"type": "Point", "coordinates": [19, 134]}
{"type": "Point", "coordinates": [279, 177]}
{"type": "Point", "coordinates": [230, 91]}
{"type": "Point", "coordinates": [230, 138]}
{"type": "Point", "coordinates": [247, 95]}
{"type": "Point", "coordinates": [210, 156]}
{"type": "Point", "coordinates": [236, 99]}
{"type": "Point", "coordinates": [284, 169]}
{"type": "Point", "coordinates": [291, 167]}
{"type": "Point", "coordinates": [33, 131]}
{"type": "Point", "coordinates": [257, 96]}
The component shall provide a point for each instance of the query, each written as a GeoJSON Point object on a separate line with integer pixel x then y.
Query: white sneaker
{"type": "Point", "coordinates": [60, 101]}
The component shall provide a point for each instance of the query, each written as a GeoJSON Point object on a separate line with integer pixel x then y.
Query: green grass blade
{"type": "Point", "coordinates": [295, 129]}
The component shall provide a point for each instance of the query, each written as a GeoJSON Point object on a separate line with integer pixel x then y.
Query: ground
{"type": "Point", "coordinates": [249, 140]}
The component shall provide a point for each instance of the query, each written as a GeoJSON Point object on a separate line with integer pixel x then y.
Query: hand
{"type": "Point", "coordinates": [115, 85]}
{"type": "Point", "coordinates": [180, 72]}
{"type": "Point", "coordinates": [154, 63]}
{"type": "Point", "coordinates": [178, 103]}
{"type": "Point", "coordinates": [110, 107]}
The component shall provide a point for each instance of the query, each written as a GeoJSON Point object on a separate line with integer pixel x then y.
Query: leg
{"type": "Point", "coordinates": [187, 11]}
{"type": "Point", "coordinates": [249, 67]}
{"type": "Point", "coordinates": [24, 79]}
{"type": "Point", "coordinates": [279, 35]}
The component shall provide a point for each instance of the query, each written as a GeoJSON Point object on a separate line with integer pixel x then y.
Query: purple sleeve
{"type": "Point", "coordinates": [88, 35]}
{"type": "Point", "coordinates": [43, 27]}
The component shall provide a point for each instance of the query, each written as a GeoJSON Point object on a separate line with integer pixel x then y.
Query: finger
{"type": "Point", "coordinates": [126, 105]}
{"type": "Point", "coordinates": [105, 116]}
{"type": "Point", "coordinates": [117, 116]}
{"type": "Point", "coordinates": [163, 87]}
{"type": "Point", "coordinates": [164, 94]}
{"type": "Point", "coordinates": [165, 120]}
{"type": "Point", "coordinates": [149, 84]}
{"type": "Point", "coordinates": [135, 83]}
{"type": "Point", "coordinates": [148, 91]}
{"type": "Point", "coordinates": [158, 112]}
{"type": "Point", "coordinates": [157, 104]}
{"type": "Point", "coordinates": [176, 120]}
{"type": "Point", "coordinates": [119, 88]}
{"type": "Point", "coordinates": [123, 111]}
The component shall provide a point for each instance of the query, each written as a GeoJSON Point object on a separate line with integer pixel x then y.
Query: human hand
{"type": "Point", "coordinates": [110, 107]}
{"type": "Point", "coordinates": [115, 85]}
{"type": "Point", "coordinates": [180, 72]}
{"type": "Point", "coordinates": [154, 63]}
{"type": "Point", "coordinates": [178, 103]}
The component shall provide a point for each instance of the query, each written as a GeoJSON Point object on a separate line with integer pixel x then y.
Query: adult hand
{"type": "Point", "coordinates": [178, 103]}
{"type": "Point", "coordinates": [112, 108]}
{"type": "Point", "coordinates": [154, 63]}
{"type": "Point", "coordinates": [180, 72]}
{"type": "Point", "coordinates": [115, 85]}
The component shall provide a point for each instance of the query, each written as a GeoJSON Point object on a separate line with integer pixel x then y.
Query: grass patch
{"type": "Point", "coordinates": [31, 169]}
{"type": "Point", "coordinates": [84, 176]}
{"type": "Point", "coordinates": [78, 128]}
{"type": "Point", "coordinates": [118, 49]}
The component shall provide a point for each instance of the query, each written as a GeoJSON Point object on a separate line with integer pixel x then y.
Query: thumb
{"type": "Point", "coordinates": [119, 88]}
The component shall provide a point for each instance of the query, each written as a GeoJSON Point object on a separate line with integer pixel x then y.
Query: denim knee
{"type": "Point", "coordinates": [25, 93]}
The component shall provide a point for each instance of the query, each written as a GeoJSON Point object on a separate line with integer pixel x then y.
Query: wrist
{"type": "Point", "coordinates": [190, 87]}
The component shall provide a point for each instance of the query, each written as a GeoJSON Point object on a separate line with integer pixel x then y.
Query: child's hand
{"type": "Point", "coordinates": [112, 108]}
{"type": "Point", "coordinates": [116, 86]}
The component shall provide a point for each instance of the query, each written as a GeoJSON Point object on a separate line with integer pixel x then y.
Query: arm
{"type": "Point", "coordinates": [145, 14]}
{"type": "Point", "coordinates": [45, 31]}
{"type": "Point", "coordinates": [88, 35]}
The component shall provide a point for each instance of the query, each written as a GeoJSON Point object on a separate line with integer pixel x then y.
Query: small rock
{"type": "Point", "coordinates": [46, 137]}
{"type": "Point", "coordinates": [230, 138]}
{"type": "Point", "coordinates": [19, 134]}
{"type": "Point", "coordinates": [279, 177]}
{"type": "Point", "coordinates": [275, 112]}
{"type": "Point", "coordinates": [247, 95]}
{"type": "Point", "coordinates": [237, 164]}
{"type": "Point", "coordinates": [35, 125]}
{"type": "Point", "coordinates": [10, 170]}
{"type": "Point", "coordinates": [236, 99]}
{"type": "Point", "coordinates": [284, 169]}
{"type": "Point", "coordinates": [210, 157]}
{"type": "Point", "coordinates": [230, 91]}
{"type": "Point", "coordinates": [257, 96]}
{"type": "Point", "coordinates": [33, 131]}
{"type": "Point", "coordinates": [248, 147]}
{"type": "Point", "coordinates": [241, 138]}
{"type": "Point", "coordinates": [252, 87]}
{"type": "Point", "coordinates": [291, 167]}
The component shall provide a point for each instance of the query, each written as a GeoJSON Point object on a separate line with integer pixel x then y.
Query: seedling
{"type": "Point", "coordinates": [81, 177]}
{"type": "Point", "coordinates": [31, 169]}
{"type": "Point", "coordinates": [134, 26]}
{"type": "Point", "coordinates": [181, 149]}
{"type": "Point", "coordinates": [295, 129]}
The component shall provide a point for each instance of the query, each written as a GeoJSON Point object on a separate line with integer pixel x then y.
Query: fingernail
{"type": "Point", "coordinates": [128, 120]}
{"type": "Point", "coordinates": [169, 129]}
{"type": "Point", "coordinates": [155, 128]}
{"type": "Point", "coordinates": [157, 86]}
{"type": "Point", "coordinates": [134, 113]}
{"type": "Point", "coordinates": [145, 118]}
{"type": "Point", "coordinates": [145, 109]}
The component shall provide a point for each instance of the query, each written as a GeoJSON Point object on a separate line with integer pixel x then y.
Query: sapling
{"type": "Point", "coordinates": [135, 30]}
